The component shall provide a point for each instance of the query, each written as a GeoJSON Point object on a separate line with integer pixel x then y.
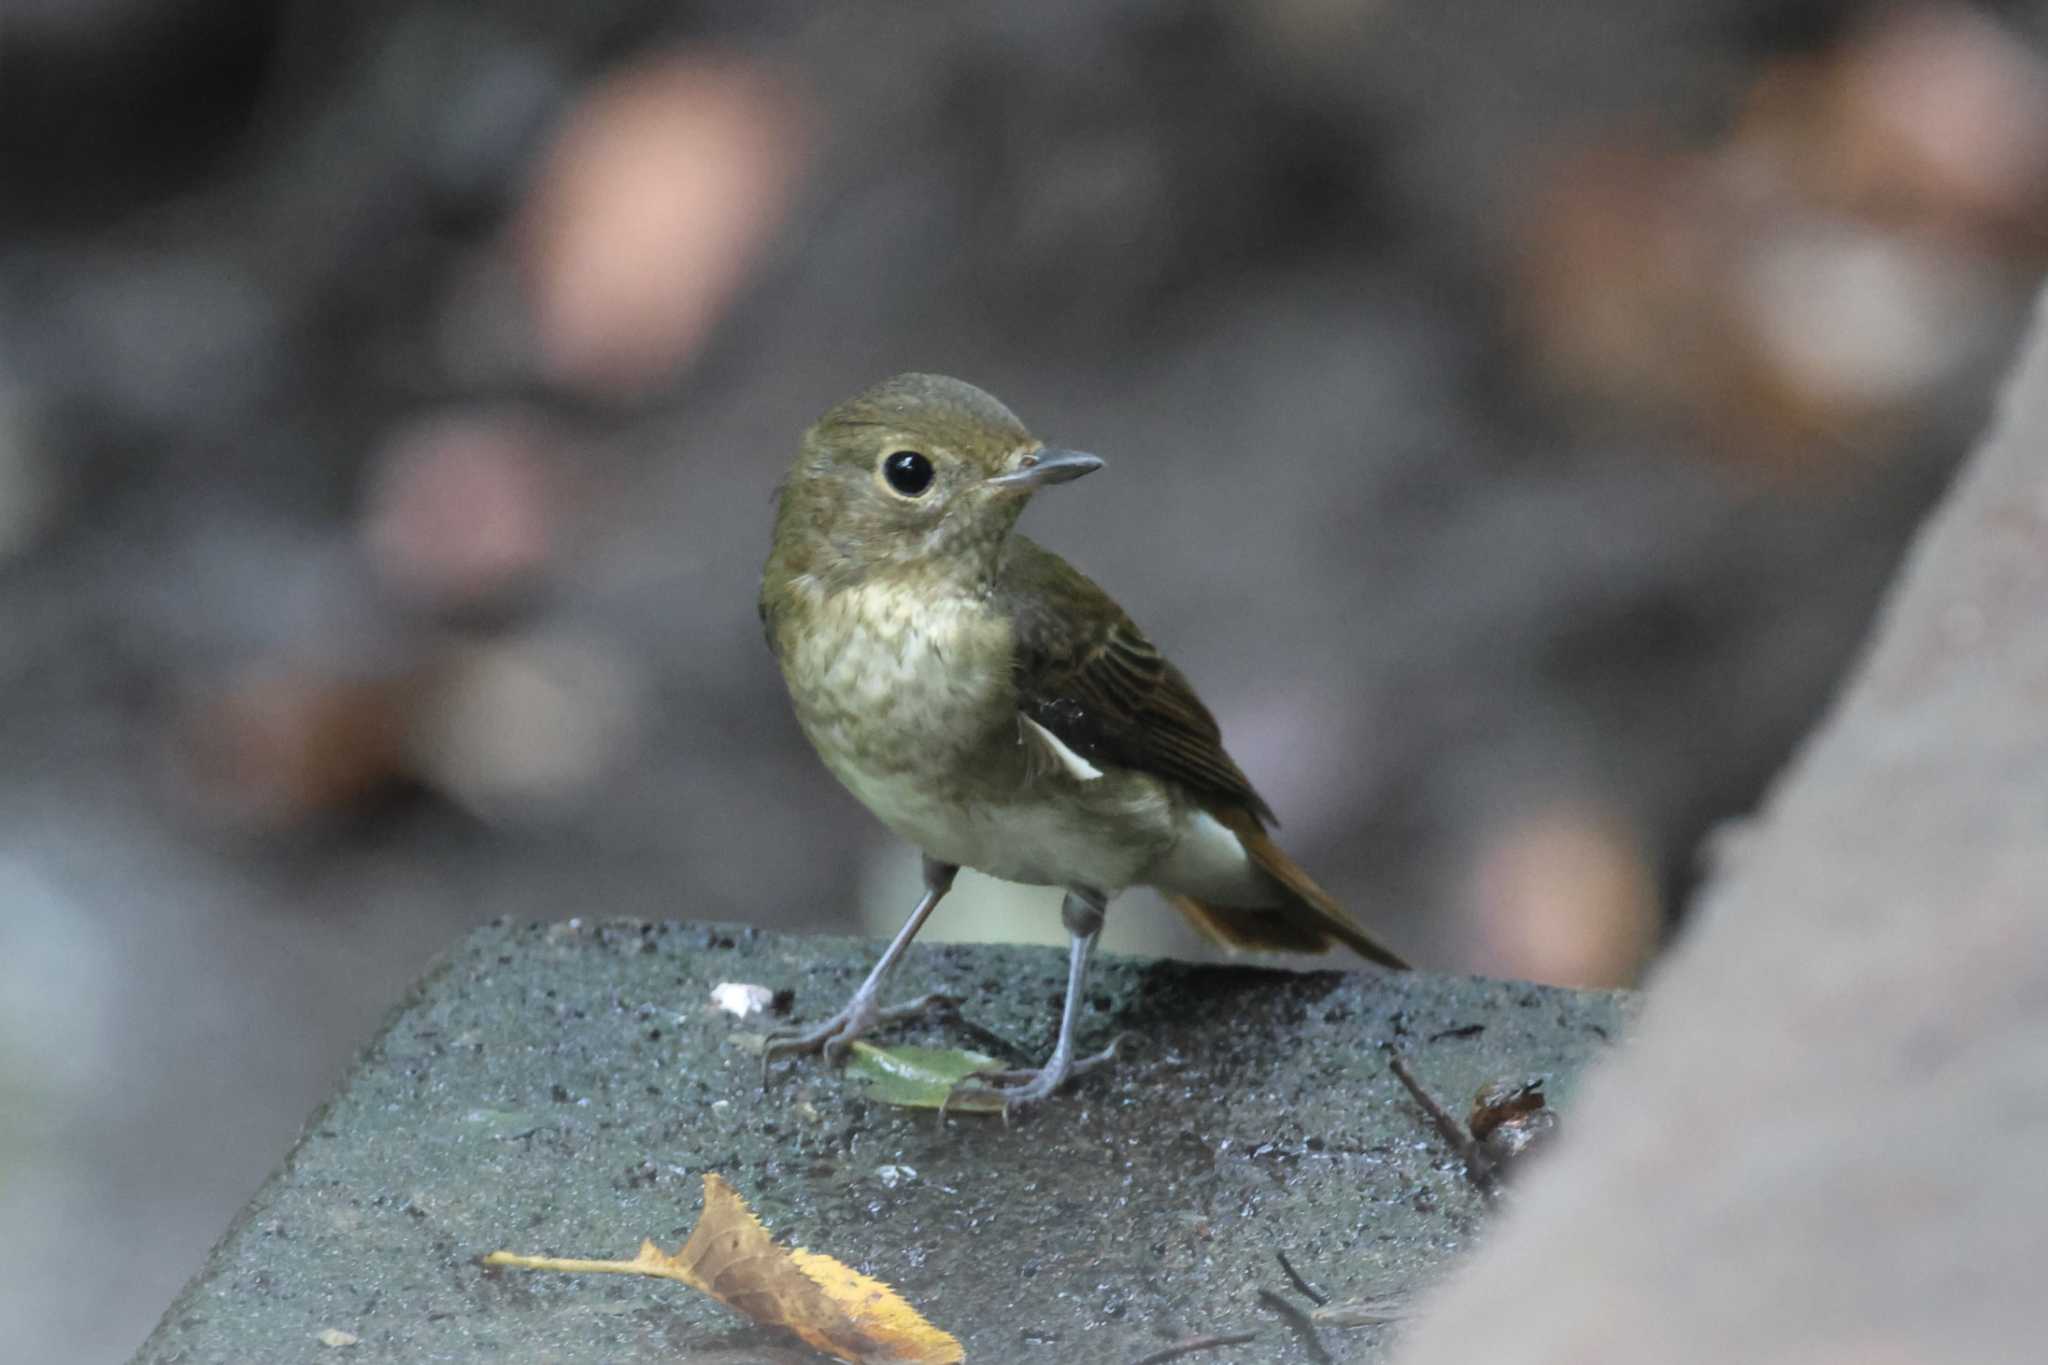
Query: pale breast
{"type": "Point", "coordinates": [910, 704]}
{"type": "Point", "coordinates": [892, 683]}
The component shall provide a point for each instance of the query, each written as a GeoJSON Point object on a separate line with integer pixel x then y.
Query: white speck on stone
{"type": "Point", "coordinates": [741, 999]}
{"type": "Point", "coordinates": [334, 1336]}
{"type": "Point", "coordinates": [892, 1176]}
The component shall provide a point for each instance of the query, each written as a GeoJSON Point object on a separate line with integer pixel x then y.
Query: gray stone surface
{"type": "Point", "coordinates": [562, 1089]}
{"type": "Point", "coordinates": [1824, 1140]}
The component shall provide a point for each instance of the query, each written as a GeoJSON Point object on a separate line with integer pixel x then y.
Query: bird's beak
{"type": "Point", "coordinates": [1046, 465]}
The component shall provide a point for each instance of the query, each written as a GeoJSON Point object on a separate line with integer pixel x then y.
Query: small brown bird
{"type": "Point", "coordinates": [997, 709]}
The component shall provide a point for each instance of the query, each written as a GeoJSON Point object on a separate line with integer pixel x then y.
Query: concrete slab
{"type": "Point", "coordinates": [563, 1088]}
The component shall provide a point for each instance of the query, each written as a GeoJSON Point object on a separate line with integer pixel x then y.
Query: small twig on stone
{"type": "Point", "coordinates": [1368, 1310]}
{"type": "Point", "coordinates": [1446, 1123]}
{"type": "Point", "coordinates": [1194, 1344]}
{"type": "Point", "coordinates": [1304, 1326]}
{"type": "Point", "coordinates": [1301, 1286]}
{"type": "Point", "coordinates": [1478, 1169]}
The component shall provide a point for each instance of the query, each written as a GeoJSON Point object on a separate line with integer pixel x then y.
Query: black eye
{"type": "Point", "coordinates": [908, 472]}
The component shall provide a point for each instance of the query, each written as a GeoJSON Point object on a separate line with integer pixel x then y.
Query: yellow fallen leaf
{"type": "Point", "coordinates": [730, 1256]}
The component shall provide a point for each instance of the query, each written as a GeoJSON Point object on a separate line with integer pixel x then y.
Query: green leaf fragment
{"type": "Point", "coordinates": [922, 1077]}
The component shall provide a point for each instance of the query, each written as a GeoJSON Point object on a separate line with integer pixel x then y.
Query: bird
{"type": "Point", "coordinates": [996, 709]}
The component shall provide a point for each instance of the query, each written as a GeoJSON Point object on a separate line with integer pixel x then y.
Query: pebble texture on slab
{"type": "Point", "coordinates": [563, 1089]}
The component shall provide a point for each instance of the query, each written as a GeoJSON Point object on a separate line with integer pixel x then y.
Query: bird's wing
{"type": "Point", "coordinates": [1089, 676]}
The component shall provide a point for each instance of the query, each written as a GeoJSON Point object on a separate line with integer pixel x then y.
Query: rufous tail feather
{"type": "Point", "coordinates": [1307, 921]}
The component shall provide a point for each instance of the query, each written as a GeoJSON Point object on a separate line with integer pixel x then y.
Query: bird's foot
{"type": "Point", "coordinates": [1018, 1090]}
{"type": "Point", "coordinates": [861, 1016]}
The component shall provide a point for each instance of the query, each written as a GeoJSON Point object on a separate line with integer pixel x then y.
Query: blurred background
{"type": "Point", "coordinates": [1513, 413]}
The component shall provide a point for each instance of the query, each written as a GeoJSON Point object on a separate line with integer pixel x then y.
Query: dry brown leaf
{"type": "Point", "coordinates": [730, 1256]}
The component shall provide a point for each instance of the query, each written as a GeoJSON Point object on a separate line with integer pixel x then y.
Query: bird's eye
{"type": "Point", "coordinates": [908, 472]}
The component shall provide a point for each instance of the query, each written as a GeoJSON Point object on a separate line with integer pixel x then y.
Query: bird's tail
{"type": "Point", "coordinates": [1306, 921]}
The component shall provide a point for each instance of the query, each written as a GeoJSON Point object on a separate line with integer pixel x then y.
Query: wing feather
{"type": "Point", "coordinates": [1089, 676]}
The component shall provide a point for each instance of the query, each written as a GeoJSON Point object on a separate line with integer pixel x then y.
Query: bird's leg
{"type": "Point", "coordinates": [1082, 913]}
{"type": "Point", "coordinates": [865, 1010]}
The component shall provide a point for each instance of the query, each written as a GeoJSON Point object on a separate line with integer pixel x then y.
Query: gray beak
{"type": "Point", "coordinates": [1048, 466]}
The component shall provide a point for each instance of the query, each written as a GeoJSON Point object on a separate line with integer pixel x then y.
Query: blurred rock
{"type": "Point", "coordinates": [1852, 323]}
{"type": "Point", "coordinates": [28, 479]}
{"type": "Point", "coordinates": [487, 124]}
{"type": "Point", "coordinates": [1929, 114]}
{"type": "Point", "coordinates": [462, 508]}
{"type": "Point", "coordinates": [282, 744]}
{"type": "Point", "coordinates": [1564, 894]}
{"type": "Point", "coordinates": [483, 330]}
{"type": "Point", "coordinates": [183, 340]}
{"type": "Point", "coordinates": [1313, 34]}
{"type": "Point", "coordinates": [1614, 276]}
{"type": "Point", "coordinates": [526, 728]}
{"type": "Point", "coordinates": [69, 19]}
{"type": "Point", "coordinates": [64, 986]}
{"type": "Point", "coordinates": [58, 974]}
{"type": "Point", "coordinates": [1856, 241]}
{"type": "Point", "coordinates": [112, 106]}
{"type": "Point", "coordinates": [657, 197]}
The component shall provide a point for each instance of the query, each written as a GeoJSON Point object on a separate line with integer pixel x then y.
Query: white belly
{"type": "Point", "coordinates": [1102, 838]}
{"type": "Point", "coordinates": [1209, 863]}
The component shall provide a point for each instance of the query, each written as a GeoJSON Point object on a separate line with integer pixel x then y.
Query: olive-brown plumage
{"type": "Point", "coordinates": [995, 707]}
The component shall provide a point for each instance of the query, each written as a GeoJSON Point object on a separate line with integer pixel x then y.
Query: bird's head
{"type": "Point", "coordinates": [919, 470]}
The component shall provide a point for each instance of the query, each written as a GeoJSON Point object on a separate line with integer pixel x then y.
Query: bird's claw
{"type": "Point", "coordinates": [1017, 1089]}
{"type": "Point", "coordinates": [860, 1016]}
